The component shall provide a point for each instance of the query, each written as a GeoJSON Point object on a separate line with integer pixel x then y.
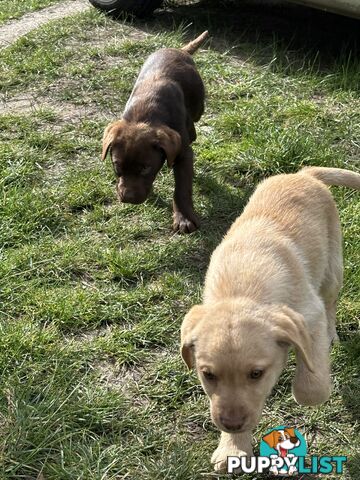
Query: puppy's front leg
{"type": "Point", "coordinates": [185, 220]}
{"type": "Point", "coordinates": [231, 444]}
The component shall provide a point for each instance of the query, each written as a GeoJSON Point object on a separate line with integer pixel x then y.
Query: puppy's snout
{"type": "Point", "coordinates": [233, 424]}
{"type": "Point", "coordinates": [130, 198]}
{"type": "Point", "coordinates": [127, 195]}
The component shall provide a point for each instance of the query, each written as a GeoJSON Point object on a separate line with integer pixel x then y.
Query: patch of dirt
{"type": "Point", "coordinates": [66, 112]}
{"type": "Point", "coordinates": [197, 430]}
{"type": "Point", "coordinates": [111, 375]}
{"type": "Point", "coordinates": [118, 377]}
{"type": "Point", "coordinates": [31, 101]}
{"type": "Point", "coordinates": [126, 379]}
{"type": "Point", "coordinates": [15, 29]}
{"type": "Point", "coordinates": [44, 98]}
{"type": "Point", "coordinates": [112, 34]}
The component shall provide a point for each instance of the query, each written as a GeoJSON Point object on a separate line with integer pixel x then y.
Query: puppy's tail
{"type": "Point", "coordinates": [195, 44]}
{"type": "Point", "coordinates": [334, 176]}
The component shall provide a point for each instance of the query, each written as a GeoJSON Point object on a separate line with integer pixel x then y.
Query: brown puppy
{"type": "Point", "coordinates": [272, 283]}
{"type": "Point", "coordinates": [158, 125]}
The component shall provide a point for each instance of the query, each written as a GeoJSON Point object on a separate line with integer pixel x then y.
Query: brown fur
{"type": "Point", "coordinates": [272, 283]}
{"type": "Point", "coordinates": [158, 125]}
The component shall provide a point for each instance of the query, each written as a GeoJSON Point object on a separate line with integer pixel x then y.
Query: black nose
{"type": "Point", "coordinates": [131, 199]}
{"type": "Point", "coordinates": [129, 196]}
{"type": "Point", "coordinates": [232, 424]}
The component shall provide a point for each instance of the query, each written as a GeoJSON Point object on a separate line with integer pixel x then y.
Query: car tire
{"type": "Point", "coordinates": [140, 8]}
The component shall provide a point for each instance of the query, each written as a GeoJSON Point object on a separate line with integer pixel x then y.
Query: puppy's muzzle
{"type": "Point", "coordinates": [127, 195]}
{"type": "Point", "coordinates": [130, 198]}
{"type": "Point", "coordinates": [233, 424]}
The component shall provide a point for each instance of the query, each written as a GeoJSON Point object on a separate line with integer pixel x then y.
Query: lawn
{"type": "Point", "coordinates": [93, 292]}
{"type": "Point", "coordinates": [12, 9]}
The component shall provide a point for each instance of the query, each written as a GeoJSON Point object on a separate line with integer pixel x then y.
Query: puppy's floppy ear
{"type": "Point", "coordinates": [272, 438]}
{"type": "Point", "coordinates": [290, 328]}
{"type": "Point", "coordinates": [188, 336]}
{"type": "Point", "coordinates": [112, 131]}
{"type": "Point", "coordinates": [170, 141]}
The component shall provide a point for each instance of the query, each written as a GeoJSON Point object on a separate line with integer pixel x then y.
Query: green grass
{"type": "Point", "coordinates": [93, 292]}
{"type": "Point", "coordinates": [12, 9]}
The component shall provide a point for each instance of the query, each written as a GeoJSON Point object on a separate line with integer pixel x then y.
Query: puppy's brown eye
{"type": "Point", "coordinates": [161, 151]}
{"type": "Point", "coordinates": [163, 154]}
{"type": "Point", "coordinates": [255, 374]}
{"type": "Point", "coordinates": [209, 376]}
{"type": "Point", "coordinates": [117, 169]}
{"type": "Point", "coordinates": [145, 170]}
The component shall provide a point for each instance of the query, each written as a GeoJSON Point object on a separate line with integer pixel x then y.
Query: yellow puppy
{"type": "Point", "coordinates": [272, 283]}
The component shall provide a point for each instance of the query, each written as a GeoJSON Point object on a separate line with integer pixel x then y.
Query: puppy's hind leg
{"type": "Point", "coordinates": [231, 444]}
{"type": "Point", "coordinates": [333, 280]}
{"type": "Point", "coordinates": [331, 316]}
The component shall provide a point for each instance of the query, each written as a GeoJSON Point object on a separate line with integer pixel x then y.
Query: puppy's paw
{"type": "Point", "coordinates": [219, 457]}
{"type": "Point", "coordinates": [312, 394]}
{"type": "Point", "coordinates": [185, 225]}
{"type": "Point", "coordinates": [334, 340]}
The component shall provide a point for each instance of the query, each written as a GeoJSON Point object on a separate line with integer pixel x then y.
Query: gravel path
{"type": "Point", "coordinates": [15, 29]}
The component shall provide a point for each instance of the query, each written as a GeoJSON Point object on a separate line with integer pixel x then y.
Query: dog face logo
{"type": "Point", "coordinates": [282, 440]}
{"type": "Point", "coordinates": [280, 444]}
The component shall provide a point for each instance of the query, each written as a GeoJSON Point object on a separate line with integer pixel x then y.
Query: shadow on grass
{"type": "Point", "coordinates": [225, 206]}
{"type": "Point", "coordinates": [290, 38]}
{"type": "Point", "coordinates": [351, 391]}
{"type": "Point", "coordinates": [353, 467]}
